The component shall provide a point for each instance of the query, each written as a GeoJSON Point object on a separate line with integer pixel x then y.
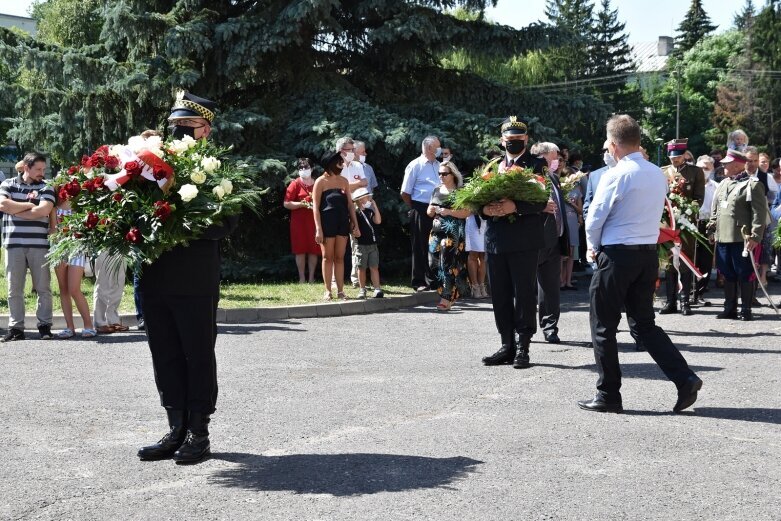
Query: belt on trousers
{"type": "Point", "coordinates": [629, 247]}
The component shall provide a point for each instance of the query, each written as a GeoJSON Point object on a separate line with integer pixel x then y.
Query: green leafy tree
{"type": "Point", "coordinates": [290, 77]}
{"type": "Point", "coordinates": [695, 26]}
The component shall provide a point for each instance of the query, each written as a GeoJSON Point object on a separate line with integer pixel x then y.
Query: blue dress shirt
{"type": "Point", "coordinates": [420, 178]}
{"type": "Point", "coordinates": [627, 205]}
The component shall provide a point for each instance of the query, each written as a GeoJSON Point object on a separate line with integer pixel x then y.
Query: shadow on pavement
{"type": "Point", "coordinates": [725, 413]}
{"type": "Point", "coordinates": [246, 329]}
{"type": "Point", "coordinates": [719, 334]}
{"type": "Point", "coordinates": [648, 371]}
{"type": "Point", "coordinates": [341, 474]}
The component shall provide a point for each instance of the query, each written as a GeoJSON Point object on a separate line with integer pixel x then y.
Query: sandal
{"type": "Point", "coordinates": [120, 327]}
{"type": "Point", "coordinates": [444, 305]}
{"type": "Point", "coordinates": [65, 334]}
{"type": "Point", "coordinates": [342, 296]}
{"type": "Point", "coordinates": [105, 330]}
{"type": "Point", "coordinates": [88, 333]}
{"type": "Point", "coordinates": [327, 296]}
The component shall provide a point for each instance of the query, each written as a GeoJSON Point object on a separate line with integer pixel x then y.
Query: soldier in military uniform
{"type": "Point", "coordinates": [693, 189]}
{"type": "Point", "coordinates": [739, 206]}
{"type": "Point", "coordinates": [512, 248]}
{"type": "Point", "coordinates": [180, 293]}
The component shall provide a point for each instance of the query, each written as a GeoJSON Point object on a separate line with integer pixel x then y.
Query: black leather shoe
{"type": "Point", "coordinates": [169, 443]}
{"type": "Point", "coordinates": [522, 358]}
{"type": "Point", "coordinates": [686, 309]}
{"type": "Point", "coordinates": [504, 356]}
{"type": "Point", "coordinates": [598, 404]}
{"type": "Point", "coordinates": [728, 314]}
{"type": "Point", "coordinates": [669, 308]}
{"type": "Point", "coordinates": [746, 315]}
{"type": "Point", "coordinates": [196, 445]}
{"type": "Point", "coordinates": [553, 338]}
{"type": "Point", "coordinates": [687, 394]}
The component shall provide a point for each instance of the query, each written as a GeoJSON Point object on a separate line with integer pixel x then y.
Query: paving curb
{"type": "Point", "coordinates": [256, 315]}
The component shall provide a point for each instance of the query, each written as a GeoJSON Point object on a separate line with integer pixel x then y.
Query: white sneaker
{"type": "Point", "coordinates": [378, 293]}
{"type": "Point", "coordinates": [362, 293]}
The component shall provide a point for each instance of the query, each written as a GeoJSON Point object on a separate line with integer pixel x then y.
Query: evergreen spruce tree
{"type": "Point", "coordinates": [573, 18]}
{"type": "Point", "coordinates": [610, 51]}
{"type": "Point", "coordinates": [694, 27]}
{"type": "Point", "coordinates": [745, 18]}
{"type": "Point", "coordinates": [289, 76]}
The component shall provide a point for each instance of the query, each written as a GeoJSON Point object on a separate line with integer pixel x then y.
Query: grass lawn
{"type": "Point", "coordinates": [232, 296]}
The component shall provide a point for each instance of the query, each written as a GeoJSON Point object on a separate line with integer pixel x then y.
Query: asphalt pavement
{"type": "Point", "coordinates": [392, 416]}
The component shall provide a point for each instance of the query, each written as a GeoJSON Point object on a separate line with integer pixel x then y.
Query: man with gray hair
{"type": "Point", "coordinates": [622, 237]}
{"type": "Point", "coordinates": [353, 170]}
{"type": "Point", "coordinates": [420, 178]}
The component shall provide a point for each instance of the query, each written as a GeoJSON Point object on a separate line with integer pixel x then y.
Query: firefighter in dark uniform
{"type": "Point", "coordinates": [693, 189]}
{"type": "Point", "coordinates": [512, 247]}
{"type": "Point", "coordinates": [180, 292]}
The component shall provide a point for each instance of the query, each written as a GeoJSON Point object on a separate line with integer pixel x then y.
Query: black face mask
{"type": "Point", "coordinates": [178, 132]}
{"type": "Point", "coordinates": [515, 147]}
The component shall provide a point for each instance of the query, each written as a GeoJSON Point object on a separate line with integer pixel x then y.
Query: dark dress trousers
{"type": "Point", "coordinates": [512, 250]}
{"type": "Point", "coordinates": [180, 291]}
{"type": "Point", "coordinates": [420, 230]}
{"type": "Point", "coordinates": [549, 263]}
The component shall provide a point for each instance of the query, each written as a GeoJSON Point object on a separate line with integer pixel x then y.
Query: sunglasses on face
{"type": "Point", "coordinates": [445, 173]}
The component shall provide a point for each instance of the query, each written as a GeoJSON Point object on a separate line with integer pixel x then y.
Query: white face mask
{"type": "Point", "coordinates": [367, 205]}
{"type": "Point", "coordinates": [438, 152]}
{"type": "Point", "coordinates": [554, 165]}
{"type": "Point", "coordinates": [446, 158]}
{"type": "Point", "coordinates": [609, 160]}
{"type": "Point", "coordinates": [348, 157]}
{"type": "Point", "coordinates": [362, 158]}
{"type": "Point", "coordinates": [306, 173]}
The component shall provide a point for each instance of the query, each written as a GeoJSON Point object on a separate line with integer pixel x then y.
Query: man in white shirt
{"type": "Point", "coordinates": [621, 232]}
{"type": "Point", "coordinates": [703, 257]}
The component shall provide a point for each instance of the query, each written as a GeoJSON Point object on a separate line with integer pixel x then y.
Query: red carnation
{"type": "Point", "coordinates": [159, 172]}
{"type": "Point", "coordinates": [98, 182]}
{"type": "Point", "coordinates": [133, 236]}
{"type": "Point", "coordinates": [133, 168]}
{"type": "Point", "coordinates": [73, 170]}
{"type": "Point", "coordinates": [105, 221]}
{"type": "Point", "coordinates": [73, 188]}
{"type": "Point", "coordinates": [112, 162]}
{"type": "Point", "coordinates": [102, 150]}
{"type": "Point", "coordinates": [62, 194]}
{"type": "Point", "coordinates": [162, 210]}
{"type": "Point", "coordinates": [77, 235]}
{"type": "Point", "coordinates": [89, 185]}
{"type": "Point", "coordinates": [117, 197]}
{"type": "Point", "coordinates": [91, 221]}
{"type": "Point", "coordinates": [85, 160]}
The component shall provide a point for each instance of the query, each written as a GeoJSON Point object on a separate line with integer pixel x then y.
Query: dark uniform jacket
{"type": "Point", "coordinates": [695, 180]}
{"type": "Point", "coordinates": [192, 270]}
{"type": "Point", "coordinates": [551, 231]}
{"type": "Point", "coordinates": [526, 232]}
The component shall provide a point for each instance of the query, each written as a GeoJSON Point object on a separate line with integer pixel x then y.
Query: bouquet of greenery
{"type": "Point", "coordinates": [489, 184]}
{"type": "Point", "coordinates": [142, 199]}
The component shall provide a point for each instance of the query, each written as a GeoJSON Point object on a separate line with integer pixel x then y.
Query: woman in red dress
{"type": "Point", "coordinates": [298, 199]}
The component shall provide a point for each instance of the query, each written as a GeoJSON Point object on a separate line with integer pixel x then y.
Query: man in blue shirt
{"type": "Point", "coordinates": [420, 178]}
{"type": "Point", "coordinates": [622, 230]}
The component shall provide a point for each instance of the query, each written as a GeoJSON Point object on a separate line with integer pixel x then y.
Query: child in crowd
{"type": "Point", "coordinates": [69, 277]}
{"type": "Point", "coordinates": [367, 254]}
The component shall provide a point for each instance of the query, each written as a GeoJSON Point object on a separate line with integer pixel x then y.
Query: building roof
{"type": "Point", "coordinates": [646, 57]}
{"type": "Point", "coordinates": [20, 22]}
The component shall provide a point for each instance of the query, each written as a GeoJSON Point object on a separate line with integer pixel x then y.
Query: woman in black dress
{"type": "Point", "coordinates": [334, 220]}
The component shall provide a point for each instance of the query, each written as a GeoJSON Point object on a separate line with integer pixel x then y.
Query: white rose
{"type": "Point", "coordinates": [178, 146]}
{"type": "Point", "coordinates": [198, 177]}
{"type": "Point", "coordinates": [136, 143]}
{"type": "Point", "coordinates": [116, 150]}
{"type": "Point", "coordinates": [210, 164]}
{"type": "Point", "coordinates": [227, 186]}
{"type": "Point", "coordinates": [188, 192]}
{"type": "Point", "coordinates": [219, 192]}
{"type": "Point", "coordinates": [189, 141]}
